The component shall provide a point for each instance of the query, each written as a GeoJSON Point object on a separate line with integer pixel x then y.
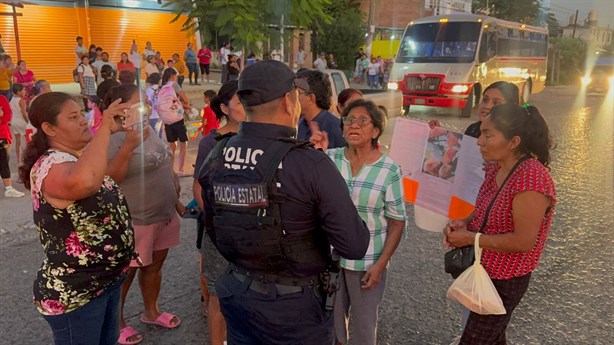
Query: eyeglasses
{"type": "Point", "coordinates": [363, 121]}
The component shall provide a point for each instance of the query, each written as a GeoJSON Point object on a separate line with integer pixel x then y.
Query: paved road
{"type": "Point", "coordinates": [570, 300]}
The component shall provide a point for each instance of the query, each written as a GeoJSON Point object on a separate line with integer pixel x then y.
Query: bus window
{"type": "Point", "coordinates": [440, 42]}
{"type": "Point", "coordinates": [488, 46]}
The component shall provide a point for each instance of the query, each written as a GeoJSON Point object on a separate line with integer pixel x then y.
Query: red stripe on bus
{"type": "Point", "coordinates": [522, 59]}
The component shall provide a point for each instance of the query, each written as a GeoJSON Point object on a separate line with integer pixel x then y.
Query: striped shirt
{"type": "Point", "coordinates": [377, 192]}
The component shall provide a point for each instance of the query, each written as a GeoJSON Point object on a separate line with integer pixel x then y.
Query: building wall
{"type": "Point", "coordinates": [392, 13]}
{"type": "Point", "coordinates": [594, 36]}
{"type": "Point", "coordinates": [47, 34]}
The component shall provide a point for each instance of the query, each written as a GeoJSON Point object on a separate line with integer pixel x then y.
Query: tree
{"type": "Point", "coordinates": [523, 11]}
{"type": "Point", "coordinates": [344, 34]}
{"type": "Point", "coordinates": [246, 22]}
{"type": "Point", "coordinates": [573, 54]}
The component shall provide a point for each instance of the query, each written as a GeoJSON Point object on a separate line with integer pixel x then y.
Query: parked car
{"type": "Point", "coordinates": [391, 102]}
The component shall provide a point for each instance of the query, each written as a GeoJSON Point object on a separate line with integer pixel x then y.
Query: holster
{"type": "Point", "coordinates": [329, 280]}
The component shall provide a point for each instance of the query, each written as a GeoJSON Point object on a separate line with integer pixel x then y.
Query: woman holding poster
{"type": "Point", "coordinates": [516, 142]}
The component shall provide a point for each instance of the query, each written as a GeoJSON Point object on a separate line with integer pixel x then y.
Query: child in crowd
{"type": "Point", "coordinates": [209, 120]}
{"type": "Point", "coordinates": [20, 118]}
{"type": "Point", "coordinates": [94, 115]}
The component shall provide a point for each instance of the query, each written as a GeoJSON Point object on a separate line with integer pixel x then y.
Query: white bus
{"type": "Point", "coordinates": [446, 61]}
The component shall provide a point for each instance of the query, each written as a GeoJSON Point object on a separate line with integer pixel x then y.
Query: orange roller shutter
{"type": "Point", "coordinates": [47, 36]}
{"type": "Point", "coordinates": [114, 30]}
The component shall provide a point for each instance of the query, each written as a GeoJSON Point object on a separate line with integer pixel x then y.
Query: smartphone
{"type": "Point", "coordinates": [136, 114]}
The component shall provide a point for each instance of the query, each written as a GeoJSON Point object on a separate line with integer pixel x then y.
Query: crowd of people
{"type": "Point", "coordinates": [278, 182]}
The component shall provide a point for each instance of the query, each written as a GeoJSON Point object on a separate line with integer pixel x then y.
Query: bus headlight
{"type": "Point", "coordinates": [393, 86]}
{"type": "Point", "coordinates": [586, 80]}
{"type": "Point", "coordinates": [460, 88]}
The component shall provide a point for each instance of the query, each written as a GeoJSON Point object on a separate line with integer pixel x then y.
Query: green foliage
{"type": "Point", "coordinates": [246, 21]}
{"type": "Point", "coordinates": [344, 35]}
{"type": "Point", "coordinates": [523, 11]}
{"type": "Point", "coordinates": [573, 55]}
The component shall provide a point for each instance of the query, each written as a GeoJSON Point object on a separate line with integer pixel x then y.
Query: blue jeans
{"type": "Point", "coordinates": [373, 80]}
{"type": "Point", "coordinates": [97, 322]}
{"type": "Point", "coordinates": [254, 318]}
{"type": "Point", "coordinates": [192, 68]}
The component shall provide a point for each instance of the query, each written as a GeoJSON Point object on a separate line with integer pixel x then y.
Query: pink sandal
{"type": "Point", "coordinates": [128, 332]}
{"type": "Point", "coordinates": [163, 320]}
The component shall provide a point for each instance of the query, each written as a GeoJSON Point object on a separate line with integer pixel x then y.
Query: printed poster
{"type": "Point", "coordinates": [442, 169]}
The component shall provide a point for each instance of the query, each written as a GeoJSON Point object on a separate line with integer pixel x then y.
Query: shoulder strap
{"type": "Point", "coordinates": [275, 153]}
{"type": "Point", "coordinates": [522, 159]}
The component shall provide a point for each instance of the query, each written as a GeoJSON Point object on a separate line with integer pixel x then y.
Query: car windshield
{"type": "Point", "coordinates": [449, 42]}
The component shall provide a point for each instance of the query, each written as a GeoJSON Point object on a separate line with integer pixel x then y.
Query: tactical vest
{"type": "Point", "coordinates": [247, 224]}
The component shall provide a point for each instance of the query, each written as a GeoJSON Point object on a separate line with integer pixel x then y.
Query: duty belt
{"type": "Point", "coordinates": [269, 278]}
{"type": "Point", "coordinates": [265, 288]}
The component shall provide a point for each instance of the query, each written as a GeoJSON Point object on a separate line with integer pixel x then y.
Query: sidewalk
{"type": "Point", "coordinates": [194, 92]}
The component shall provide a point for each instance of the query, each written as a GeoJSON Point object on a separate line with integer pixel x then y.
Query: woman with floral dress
{"type": "Point", "coordinates": [83, 221]}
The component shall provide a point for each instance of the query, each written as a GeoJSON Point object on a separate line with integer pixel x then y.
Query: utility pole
{"type": "Point", "coordinates": [575, 22]}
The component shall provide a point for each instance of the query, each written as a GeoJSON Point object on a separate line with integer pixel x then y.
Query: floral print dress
{"type": "Point", "coordinates": [87, 245]}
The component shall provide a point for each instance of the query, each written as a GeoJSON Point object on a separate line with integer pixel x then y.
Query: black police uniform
{"type": "Point", "coordinates": [282, 304]}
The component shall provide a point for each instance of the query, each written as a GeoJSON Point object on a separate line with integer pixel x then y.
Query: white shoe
{"type": "Point", "coordinates": [11, 192]}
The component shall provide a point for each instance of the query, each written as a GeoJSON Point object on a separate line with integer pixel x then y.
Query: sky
{"type": "Point", "coordinates": [565, 8]}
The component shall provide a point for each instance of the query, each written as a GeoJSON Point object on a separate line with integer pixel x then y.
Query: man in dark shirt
{"type": "Point", "coordinates": [281, 305]}
{"type": "Point", "coordinates": [315, 103]}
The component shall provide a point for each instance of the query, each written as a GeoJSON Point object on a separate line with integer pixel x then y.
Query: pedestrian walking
{"type": "Point", "coordinates": [226, 107]}
{"type": "Point", "coordinates": [204, 60]}
{"type": "Point", "coordinates": [153, 82]}
{"type": "Point", "coordinates": [373, 69]}
{"type": "Point", "coordinates": [82, 219]}
{"type": "Point", "coordinates": [513, 212]}
{"type": "Point", "coordinates": [154, 215]}
{"type": "Point", "coordinates": [6, 139]}
{"type": "Point", "coordinates": [170, 109]}
{"type": "Point", "coordinates": [276, 233]}
{"type": "Point", "coordinates": [191, 62]}
{"type": "Point", "coordinates": [233, 67]}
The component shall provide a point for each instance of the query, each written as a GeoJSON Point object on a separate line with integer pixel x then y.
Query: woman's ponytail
{"type": "Point", "coordinates": [35, 148]}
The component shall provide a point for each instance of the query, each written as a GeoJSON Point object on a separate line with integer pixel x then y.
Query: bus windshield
{"type": "Point", "coordinates": [448, 42]}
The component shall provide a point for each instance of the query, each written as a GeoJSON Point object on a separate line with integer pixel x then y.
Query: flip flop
{"type": "Point", "coordinates": [126, 333]}
{"type": "Point", "coordinates": [163, 320]}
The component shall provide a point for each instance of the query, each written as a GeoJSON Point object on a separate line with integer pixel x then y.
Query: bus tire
{"type": "Point", "coordinates": [526, 91]}
{"type": "Point", "coordinates": [406, 110]}
{"type": "Point", "coordinates": [466, 111]}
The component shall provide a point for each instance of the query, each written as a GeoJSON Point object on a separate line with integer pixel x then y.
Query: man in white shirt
{"type": "Point", "coordinates": [276, 55]}
{"type": "Point", "coordinates": [320, 62]}
{"type": "Point", "coordinates": [224, 52]}
{"type": "Point", "coordinates": [149, 51]}
{"type": "Point", "coordinates": [98, 66]}
{"type": "Point", "coordinates": [80, 49]}
{"type": "Point", "coordinates": [300, 58]}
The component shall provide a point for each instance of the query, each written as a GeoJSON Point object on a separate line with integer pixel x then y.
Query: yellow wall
{"type": "Point", "coordinates": [47, 35]}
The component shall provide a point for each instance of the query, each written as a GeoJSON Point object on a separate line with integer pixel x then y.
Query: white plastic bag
{"type": "Point", "coordinates": [474, 289]}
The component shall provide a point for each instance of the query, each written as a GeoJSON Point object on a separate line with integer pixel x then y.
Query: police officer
{"type": "Point", "coordinates": [273, 208]}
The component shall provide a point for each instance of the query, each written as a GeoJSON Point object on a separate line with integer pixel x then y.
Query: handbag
{"type": "Point", "coordinates": [457, 260]}
{"type": "Point", "coordinates": [474, 288]}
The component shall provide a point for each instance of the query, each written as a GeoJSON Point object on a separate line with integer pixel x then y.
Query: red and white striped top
{"type": "Point", "coordinates": [531, 175]}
